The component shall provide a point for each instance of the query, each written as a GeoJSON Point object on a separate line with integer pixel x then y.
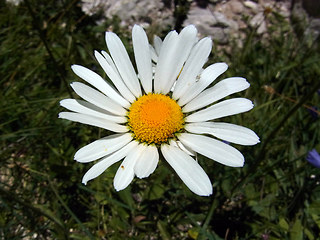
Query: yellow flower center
{"type": "Point", "coordinates": [154, 118]}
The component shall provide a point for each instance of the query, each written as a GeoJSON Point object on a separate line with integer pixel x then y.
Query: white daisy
{"type": "Point", "coordinates": [167, 107]}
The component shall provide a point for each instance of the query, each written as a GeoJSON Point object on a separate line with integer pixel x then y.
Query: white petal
{"type": "Point", "coordinates": [115, 77]}
{"type": "Point", "coordinates": [225, 131]}
{"type": "Point", "coordinates": [84, 107]}
{"type": "Point", "coordinates": [147, 162]}
{"type": "Point", "coordinates": [110, 61]}
{"type": "Point", "coordinates": [220, 90]}
{"type": "Point", "coordinates": [222, 109]}
{"type": "Point", "coordinates": [123, 63]}
{"type": "Point", "coordinates": [93, 121]}
{"type": "Point", "coordinates": [206, 78]}
{"type": "Point", "coordinates": [143, 57]}
{"type": "Point", "coordinates": [173, 55]}
{"type": "Point", "coordinates": [106, 162]}
{"type": "Point", "coordinates": [193, 66]}
{"type": "Point", "coordinates": [186, 41]}
{"type": "Point", "coordinates": [93, 96]}
{"type": "Point", "coordinates": [125, 172]}
{"type": "Point", "coordinates": [102, 147]}
{"type": "Point", "coordinates": [190, 172]}
{"type": "Point", "coordinates": [161, 72]}
{"type": "Point", "coordinates": [214, 149]}
{"type": "Point", "coordinates": [186, 149]}
{"type": "Point", "coordinates": [154, 56]}
{"type": "Point", "coordinates": [157, 43]}
{"type": "Point", "coordinates": [99, 83]}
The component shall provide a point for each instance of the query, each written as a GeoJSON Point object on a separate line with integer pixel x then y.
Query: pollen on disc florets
{"type": "Point", "coordinates": [154, 118]}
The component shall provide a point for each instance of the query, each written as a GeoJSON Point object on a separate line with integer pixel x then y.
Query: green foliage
{"type": "Point", "coordinates": [276, 194]}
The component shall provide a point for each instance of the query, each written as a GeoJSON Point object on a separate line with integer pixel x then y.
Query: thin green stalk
{"type": "Point", "coordinates": [42, 36]}
{"type": "Point", "coordinates": [209, 215]}
{"type": "Point", "coordinates": [55, 191]}
{"type": "Point", "coordinates": [276, 129]}
{"type": "Point", "coordinates": [14, 198]}
{"type": "Point", "coordinates": [208, 218]}
{"type": "Point", "coordinates": [70, 211]}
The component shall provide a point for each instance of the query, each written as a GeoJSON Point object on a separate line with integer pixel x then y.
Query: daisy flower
{"type": "Point", "coordinates": [166, 109]}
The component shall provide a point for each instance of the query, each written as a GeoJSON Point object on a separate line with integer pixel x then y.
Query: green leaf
{"type": "Point", "coordinates": [162, 227]}
{"type": "Point", "coordinates": [308, 233]}
{"type": "Point", "coordinates": [283, 224]}
{"type": "Point", "coordinates": [296, 232]}
{"type": "Point", "coordinates": [193, 233]}
{"type": "Point", "coordinates": [156, 191]}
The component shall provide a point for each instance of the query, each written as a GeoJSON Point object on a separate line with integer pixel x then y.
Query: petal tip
{"type": "Point", "coordinates": [205, 192]}
{"type": "Point", "coordinates": [191, 27]}
{"type": "Point", "coordinates": [74, 67]}
{"type": "Point", "coordinates": [96, 53]}
{"type": "Point", "coordinates": [136, 26]}
{"type": "Point", "coordinates": [225, 65]}
{"type": "Point", "coordinates": [61, 102]}
{"type": "Point", "coordinates": [110, 35]}
{"type": "Point", "coordinates": [117, 187]}
{"type": "Point", "coordinates": [84, 182]}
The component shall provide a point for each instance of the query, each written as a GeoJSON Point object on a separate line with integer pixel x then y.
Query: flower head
{"type": "Point", "coordinates": [313, 157]}
{"type": "Point", "coordinates": [166, 107]}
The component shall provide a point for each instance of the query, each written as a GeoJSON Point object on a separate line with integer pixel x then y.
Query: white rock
{"type": "Point", "coordinates": [130, 12]}
{"type": "Point", "coordinates": [14, 2]}
{"type": "Point", "coordinates": [250, 4]}
{"type": "Point", "coordinates": [212, 23]}
{"type": "Point", "coordinates": [236, 6]}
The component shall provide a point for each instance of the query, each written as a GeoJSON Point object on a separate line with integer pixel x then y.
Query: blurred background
{"type": "Point", "coordinates": [276, 195]}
